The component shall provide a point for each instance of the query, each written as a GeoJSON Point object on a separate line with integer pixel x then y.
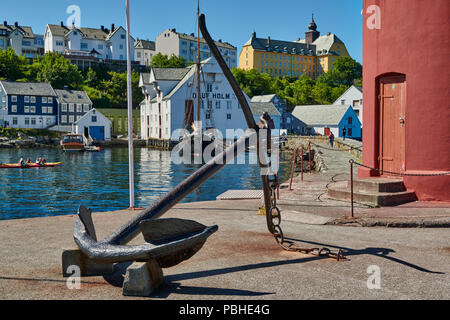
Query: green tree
{"type": "Point", "coordinates": [56, 70]}
{"type": "Point", "coordinates": [12, 66]}
{"type": "Point", "coordinates": [163, 61]}
{"type": "Point", "coordinates": [348, 69]}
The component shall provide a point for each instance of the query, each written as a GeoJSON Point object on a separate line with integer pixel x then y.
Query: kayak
{"type": "Point", "coordinates": [29, 165]}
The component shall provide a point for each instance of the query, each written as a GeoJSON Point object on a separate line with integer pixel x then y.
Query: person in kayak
{"type": "Point", "coordinates": [21, 162]}
{"type": "Point", "coordinates": [38, 161]}
{"type": "Point", "coordinates": [28, 161]}
{"type": "Point", "coordinates": [43, 161]}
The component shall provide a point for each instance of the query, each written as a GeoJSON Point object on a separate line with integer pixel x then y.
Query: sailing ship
{"type": "Point", "coordinates": [198, 138]}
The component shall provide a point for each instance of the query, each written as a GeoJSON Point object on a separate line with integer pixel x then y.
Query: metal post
{"type": "Point", "coordinates": [130, 110]}
{"type": "Point", "coordinates": [276, 177]}
{"type": "Point", "coordinates": [351, 186]}
{"type": "Point", "coordinates": [293, 168]}
{"type": "Point", "coordinates": [309, 155]}
{"type": "Point", "coordinates": [302, 164]}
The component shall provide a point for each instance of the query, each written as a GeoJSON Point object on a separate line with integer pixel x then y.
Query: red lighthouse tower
{"type": "Point", "coordinates": [406, 84]}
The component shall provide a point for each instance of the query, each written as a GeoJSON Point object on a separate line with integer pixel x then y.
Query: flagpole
{"type": "Point", "coordinates": [130, 110]}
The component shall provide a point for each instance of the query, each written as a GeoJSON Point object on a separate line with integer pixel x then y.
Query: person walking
{"type": "Point", "coordinates": [344, 132]}
{"type": "Point", "coordinates": [331, 137]}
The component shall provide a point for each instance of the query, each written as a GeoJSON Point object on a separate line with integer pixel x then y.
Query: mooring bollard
{"type": "Point", "coordinates": [293, 168]}
{"type": "Point", "coordinates": [351, 187]}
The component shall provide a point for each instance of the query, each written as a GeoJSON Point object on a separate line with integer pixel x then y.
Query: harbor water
{"type": "Point", "coordinates": [99, 180]}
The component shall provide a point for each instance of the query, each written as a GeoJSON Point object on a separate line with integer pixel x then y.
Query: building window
{"type": "Point", "coordinates": [71, 107]}
{"type": "Point", "coordinates": [78, 118]}
{"type": "Point", "coordinates": [63, 119]}
{"type": "Point", "coordinates": [32, 109]}
{"type": "Point", "coordinates": [86, 108]}
{"type": "Point", "coordinates": [33, 99]}
{"type": "Point", "coordinates": [64, 107]}
{"type": "Point", "coordinates": [49, 109]}
{"type": "Point", "coordinates": [14, 108]}
{"type": "Point", "coordinates": [59, 43]}
{"type": "Point", "coordinates": [27, 99]}
{"type": "Point", "coordinates": [343, 102]}
{"type": "Point", "coordinates": [217, 104]}
{"type": "Point", "coordinates": [94, 119]}
{"type": "Point", "coordinates": [100, 47]}
{"type": "Point", "coordinates": [48, 121]}
{"type": "Point", "coordinates": [84, 45]}
{"type": "Point", "coordinates": [350, 132]}
{"type": "Point", "coordinates": [44, 109]}
{"type": "Point", "coordinates": [229, 105]}
{"type": "Point", "coordinates": [229, 116]}
{"type": "Point", "coordinates": [27, 121]}
{"type": "Point", "coordinates": [71, 119]}
{"type": "Point", "coordinates": [14, 121]}
{"type": "Point", "coordinates": [50, 100]}
{"type": "Point", "coordinates": [79, 107]}
{"type": "Point", "coordinates": [209, 87]}
{"type": "Point", "coordinates": [13, 99]}
{"type": "Point", "coordinates": [26, 109]}
{"type": "Point", "coordinates": [33, 121]}
{"type": "Point", "coordinates": [350, 120]}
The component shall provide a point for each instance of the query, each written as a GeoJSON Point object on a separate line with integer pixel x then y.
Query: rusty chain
{"type": "Point", "coordinates": [288, 245]}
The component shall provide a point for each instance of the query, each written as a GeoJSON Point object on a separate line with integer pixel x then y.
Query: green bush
{"type": "Point", "coordinates": [13, 133]}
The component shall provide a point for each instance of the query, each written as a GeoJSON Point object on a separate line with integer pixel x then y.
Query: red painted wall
{"type": "Point", "coordinates": [412, 39]}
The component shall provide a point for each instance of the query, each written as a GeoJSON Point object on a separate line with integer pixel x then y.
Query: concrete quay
{"type": "Point", "coordinates": [240, 261]}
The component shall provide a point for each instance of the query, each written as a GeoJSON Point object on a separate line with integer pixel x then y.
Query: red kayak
{"type": "Point", "coordinates": [29, 165]}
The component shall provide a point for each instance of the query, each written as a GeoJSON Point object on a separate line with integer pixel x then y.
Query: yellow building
{"type": "Point", "coordinates": [312, 56]}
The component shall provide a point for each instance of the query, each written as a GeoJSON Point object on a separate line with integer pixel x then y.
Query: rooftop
{"type": "Point", "coordinates": [72, 96]}
{"type": "Point", "coordinates": [28, 88]}
{"type": "Point", "coordinates": [320, 114]}
{"type": "Point", "coordinates": [261, 107]}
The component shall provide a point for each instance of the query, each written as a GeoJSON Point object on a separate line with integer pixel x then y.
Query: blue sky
{"type": "Point", "coordinates": [230, 20]}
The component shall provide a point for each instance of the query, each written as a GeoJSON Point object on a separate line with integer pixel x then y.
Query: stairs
{"type": "Point", "coordinates": [376, 192]}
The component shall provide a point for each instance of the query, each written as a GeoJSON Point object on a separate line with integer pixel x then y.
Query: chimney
{"type": "Point", "coordinates": [268, 41]}
{"type": "Point", "coordinates": [253, 34]}
{"type": "Point", "coordinates": [16, 24]}
{"type": "Point", "coordinates": [102, 28]}
{"type": "Point", "coordinates": [5, 23]}
{"type": "Point", "coordinates": [113, 27]}
{"type": "Point", "coordinates": [62, 24]}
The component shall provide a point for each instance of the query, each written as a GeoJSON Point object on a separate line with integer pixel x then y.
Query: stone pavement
{"type": "Point", "coordinates": [240, 261]}
{"type": "Point", "coordinates": [308, 201]}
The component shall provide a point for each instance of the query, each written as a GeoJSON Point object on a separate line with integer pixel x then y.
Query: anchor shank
{"type": "Point", "coordinates": [129, 230]}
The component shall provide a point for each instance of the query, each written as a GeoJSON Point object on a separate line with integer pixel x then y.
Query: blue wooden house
{"type": "Point", "coordinates": [27, 105]}
{"type": "Point", "coordinates": [352, 125]}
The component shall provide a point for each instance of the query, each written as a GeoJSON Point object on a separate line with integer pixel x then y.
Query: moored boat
{"type": "Point", "coordinates": [72, 142]}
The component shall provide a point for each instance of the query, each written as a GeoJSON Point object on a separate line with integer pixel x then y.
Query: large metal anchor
{"type": "Point", "coordinates": [168, 241]}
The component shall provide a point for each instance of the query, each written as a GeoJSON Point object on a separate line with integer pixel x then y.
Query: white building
{"type": "Point", "coordinates": [21, 39]}
{"type": "Point", "coordinates": [94, 125]}
{"type": "Point", "coordinates": [144, 50]}
{"type": "Point", "coordinates": [171, 92]}
{"type": "Point", "coordinates": [321, 119]}
{"type": "Point", "coordinates": [352, 97]}
{"type": "Point", "coordinates": [170, 42]}
{"type": "Point", "coordinates": [103, 43]}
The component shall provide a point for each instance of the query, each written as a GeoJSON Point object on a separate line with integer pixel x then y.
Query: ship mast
{"type": "Point", "coordinates": [198, 62]}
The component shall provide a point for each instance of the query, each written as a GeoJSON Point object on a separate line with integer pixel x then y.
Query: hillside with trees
{"type": "Point", "coordinates": [304, 90]}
